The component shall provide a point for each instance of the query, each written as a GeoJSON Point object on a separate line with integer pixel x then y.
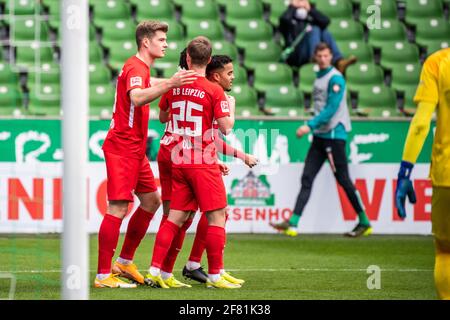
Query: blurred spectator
{"type": "Point", "coordinates": [301, 16]}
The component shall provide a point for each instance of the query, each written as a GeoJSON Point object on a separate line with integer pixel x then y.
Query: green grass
{"type": "Point", "coordinates": [274, 267]}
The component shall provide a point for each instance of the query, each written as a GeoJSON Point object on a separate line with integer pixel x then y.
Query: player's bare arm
{"type": "Point", "coordinates": [141, 97]}
{"type": "Point", "coordinates": [164, 116]}
{"type": "Point", "coordinates": [232, 106]}
{"type": "Point", "coordinates": [224, 148]}
{"type": "Point", "coordinates": [225, 124]}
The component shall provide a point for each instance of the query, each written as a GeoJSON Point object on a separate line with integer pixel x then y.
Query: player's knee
{"type": "Point", "coordinates": [442, 245]}
{"type": "Point", "coordinates": [150, 202]}
{"type": "Point", "coordinates": [118, 209]}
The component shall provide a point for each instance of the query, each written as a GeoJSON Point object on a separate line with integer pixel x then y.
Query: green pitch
{"type": "Point", "coordinates": [274, 267]}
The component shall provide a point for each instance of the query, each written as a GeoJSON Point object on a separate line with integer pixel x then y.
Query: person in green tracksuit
{"type": "Point", "coordinates": [330, 128]}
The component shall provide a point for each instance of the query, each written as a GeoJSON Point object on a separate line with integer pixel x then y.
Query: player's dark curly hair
{"type": "Point", "coordinates": [217, 62]}
{"type": "Point", "coordinates": [183, 63]}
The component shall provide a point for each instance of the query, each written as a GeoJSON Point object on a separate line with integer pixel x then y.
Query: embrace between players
{"type": "Point", "coordinates": [195, 108]}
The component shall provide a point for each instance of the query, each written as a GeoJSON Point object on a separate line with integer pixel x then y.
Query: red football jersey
{"type": "Point", "coordinates": [193, 109]}
{"type": "Point", "coordinates": [127, 135]}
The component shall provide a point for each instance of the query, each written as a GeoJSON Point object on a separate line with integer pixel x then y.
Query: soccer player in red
{"type": "Point", "coordinates": [196, 177]}
{"type": "Point", "coordinates": [220, 71]}
{"type": "Point", "coordinates": [127, 166]}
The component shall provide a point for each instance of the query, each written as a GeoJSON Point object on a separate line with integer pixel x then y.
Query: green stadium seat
{"type": "Point", "coordinates": [246, 100]}
{"type": "Point", "coordinates": [154, 73]}
{"type": "Point", "coordinates": [53, 9]}
{"type": "Point", "coordinates": [28, 29]}
{"type": "Point", "coordinates": [192, 10]}
{"type": "Point", "coordinates": [99, 74]}
{"type": "Point", "coordinates": [272, 75]}
{"type": "Point", "coordinates": [176, 30]}
{"type": "Point", "coordinates": [408, 97]}
{"type": "Point", "coordinates": [433, 32]}
{"type": "Point", "coordinates": [101, 100]}
{"type": "Point", "coordinates": [22, 7]}
{"type": "Point", "coordinates": [225, 48]}
{"type": "Point", "coordinates": [284, 101]}
{"type": "Point", "coordinates": [168, 72]}
{"type": "Point", "coordinates": [10, 100]}
{"type": "Point", "coordinates": [45, 100]}
{"type": "Point", "coordinates": [248, 31]}
{"type": "Point", "coordinates": [57, 28]}
{"type": "Point", "coordinates": [119, 52]}
{"type": "Point", "coordinates": [178, 3]}
{"type": "Point", "coordinates": [277, 8]}
{"type": "Point", "coordinates": [153, 9]}
{"type": "Point", "coordinates": [118, 30]}
{"type": "Point", "coordinates": [362, 75]}
{"type": "Point", "coordinates": [388, 9]}
{"type": "Point", "coordinates": [47, 73]}
{"type": "Point", "coordinates": [393, 53]}
{"type": "Point", "coordinates": [238, 10]}
{"type": "Point", "coordinates": [405, 76]}
{"type": "Point", "coordinates": [378, 101]}
{"type": "Point", "coordinates": [111, 10]}
{"type": "Point", "coordinates": [261, 52]}
{"type": "Point", "coordinates": [391, 30]}
{"type": "Point", "coordinates": [346, 30]}
{"type": "Point", "coordinates": [29, 56]}
{"type": "Point", "coordinates": [307, 77]}
{"type": "Point", "coordinates": [240, 75]}
{"type": "Point", "coordinates": [335, 9]}
{"type": "Point", "coordinates": [95, 52]}
{"type": "Point", "coordinates": [432, 47]}
{"type": "Point", "coordinates": [222, 3]}
{"type": "Point", "coordinates": [8, 75]}
{"type": "Point", "coordinates": [419, 10]}
{"type": "Point", "coordinates": [212, 29]}
{"type": "Point", "coordinates": [359, 49]}
{"type": "Point", "coordinates": [172, 57]}
{"type": "Point", "coordinates": [54, 13]}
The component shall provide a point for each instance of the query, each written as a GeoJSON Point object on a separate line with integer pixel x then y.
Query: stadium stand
{"type": "Point", "coordinates": [389, 57]}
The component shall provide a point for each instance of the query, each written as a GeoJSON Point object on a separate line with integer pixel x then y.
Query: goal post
{"type": "Point", "coordinates": [75, 123]}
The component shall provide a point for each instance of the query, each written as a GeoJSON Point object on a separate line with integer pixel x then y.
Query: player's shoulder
{"type": "Point", "coordinates": [433, 62]}
{"type": "Point", "coordinates": [133, 62]}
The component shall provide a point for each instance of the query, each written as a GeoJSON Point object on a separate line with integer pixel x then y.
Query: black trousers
{"type": "Point", "coordinates": [317, 154]}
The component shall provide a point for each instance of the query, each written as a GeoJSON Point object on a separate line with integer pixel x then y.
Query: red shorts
{"type": "Point", "coordinates": [202, 186]}
{"type": "Point", "coordinates": [165, 172]}
{"type": "Point", "coordinates": [128, 174]}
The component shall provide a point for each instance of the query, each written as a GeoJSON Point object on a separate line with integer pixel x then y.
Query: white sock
{"type": "Point", "coordinates": [222, 271]}
{"type": "Point", "coordinates": [154, 271]}
{"type": "Point", "coordinates": [166, 275]}
{"type": "Point", "coordinates": [123, 261]}
{"type": "Point", "coordinates": [214, 277]}
{"type": "Point", "coordinates": [191, 265]}
{"type": "Point", "coordinates": [103, 276]}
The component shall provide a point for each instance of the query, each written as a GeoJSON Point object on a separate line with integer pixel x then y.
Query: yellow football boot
{"type": "Point", "coordinates": [232, 279]}
{"type": "Point", "coordinates": [291, 232]}
{"type": "Point", "coordinates": [155, 281]}
{"type": "Point", "coordinates": [222, 284]}
{"type": "Point", "coordinates": [129, 271]}
{"type": "Point", "coordinates": [174, 283]}
{"type": "Point", "coordinates": [112, 282]}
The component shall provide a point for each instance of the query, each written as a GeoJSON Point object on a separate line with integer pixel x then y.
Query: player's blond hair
{"type": "Point", "coordinates": [200, 50]}
{"type": "Point", "coordinates": [147, 29]}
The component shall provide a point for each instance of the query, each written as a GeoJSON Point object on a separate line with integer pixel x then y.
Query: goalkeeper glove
{"type": "Point", "coordinates": [404, 188]}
